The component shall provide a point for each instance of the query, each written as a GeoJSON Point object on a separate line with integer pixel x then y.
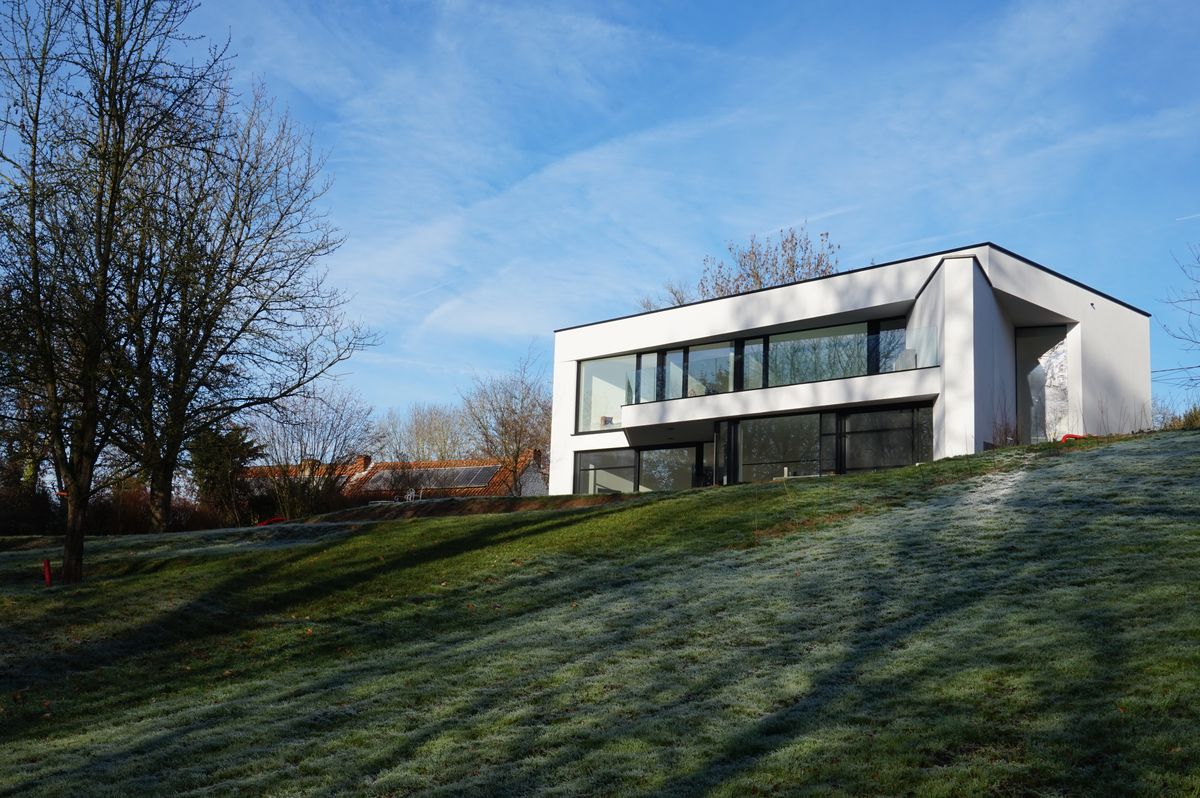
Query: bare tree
{"type": "Point", "coordinates": [225, 310]}
{"type": "Point", "coordinates": [509, 415]}
{"type": "Point", "coordinates": [426, 431]}
{"type": "Point", "coordinates": [91, 93]}
{"type": "Point", "coordinates": [158, 244]}
{"type": "Point", "coordinates": [1187, 301]}
{"type": "Point", "coordinates": [310, 444]}
{"type": "Point", "coordinates": [674, 293]}
{"type": "Point", "coordinates": [757, 265]}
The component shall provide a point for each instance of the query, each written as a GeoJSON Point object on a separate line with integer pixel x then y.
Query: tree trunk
{"type": "Point", "coordinates": [515, 487]}
{"type": "Point", "coordinates": [161, 491]}
{"type": "Point", "coordinates": [72, 570]}
{"type": "Point", "coordinates": [160, 504]}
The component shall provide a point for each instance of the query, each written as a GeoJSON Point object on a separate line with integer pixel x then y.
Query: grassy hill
{"type": "Point", "coordinates": [1020, 622]}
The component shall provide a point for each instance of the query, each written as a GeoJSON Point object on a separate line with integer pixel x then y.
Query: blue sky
{"type": "Point", "coordinates": [502, 170]}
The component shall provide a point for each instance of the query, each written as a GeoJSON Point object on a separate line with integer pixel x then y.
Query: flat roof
{"type": "Point", "coordinates": [996, 247]}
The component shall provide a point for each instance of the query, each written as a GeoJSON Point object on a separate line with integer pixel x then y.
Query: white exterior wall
{"type": "Point", "coordinates": [975, 385]}
{"type": "Point", "coordinates": [896, 386]}
{"type": "Point", "coordinates": [995, 368]}
{"type": "Point", "coordinates": [929, 314]}
{"type": "Point", "coordinates": [954, 411]}
{"type": "Point", "coordinates": [1108, 348]}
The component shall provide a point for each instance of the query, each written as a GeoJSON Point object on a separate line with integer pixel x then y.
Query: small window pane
{"type": "Point", "coordinates": [924, 434]}
{"type": "Point", "coordinates": [647, 377]}
{"type": "Point", "coordinates": [708, 463]}
{"type": "Point", "coordinates": [673, 376]}
{"type": "Point", "coordinates": [752, 364]}
{"type": "Point", "coordinates": [710, 369]}
{"type": "Point", "coordinates": [829, 443]}
{"type": "Point", "coordinates": [891, 346]}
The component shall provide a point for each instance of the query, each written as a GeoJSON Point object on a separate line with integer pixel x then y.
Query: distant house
{"type": "Point", "coordinates": [432, 479]}
{"type": "Point", "coordinates": [366, 480]}
{"type": "Point", "coordinates": [935, 356]}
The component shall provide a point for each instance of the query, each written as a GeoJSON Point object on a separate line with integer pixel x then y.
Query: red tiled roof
{"type": "Point", "coordinates": [360, 472]}
{"type": "Point", "coordinates": [498, 485]}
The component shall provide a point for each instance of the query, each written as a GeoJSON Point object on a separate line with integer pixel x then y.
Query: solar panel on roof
{"type": "Point", "coordinates": [465, 477]}
{"type": "Point", "coordinates": [445, 478]}
{"type": "Point", "coordinates": [389, 479]}
{"type": "Point", "coordinates": [483, 475]}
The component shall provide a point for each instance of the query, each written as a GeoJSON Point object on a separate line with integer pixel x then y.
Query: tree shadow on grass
{"type": "Point", "coordinates": [240, 600]}
{"type": "Point", "coordinates": [788, 665]}
{"type": "Point", "coordinates": [1083, 748]}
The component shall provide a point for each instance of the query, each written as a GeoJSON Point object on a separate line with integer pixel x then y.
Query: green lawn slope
{"type": "Point", "coordinates": [1023, 622]}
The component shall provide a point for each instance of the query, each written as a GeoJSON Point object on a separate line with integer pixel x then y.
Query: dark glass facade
{"type": "Point", "coordinates": [752, 449]}
{"type": "Point", "coordinates": [759, 449]}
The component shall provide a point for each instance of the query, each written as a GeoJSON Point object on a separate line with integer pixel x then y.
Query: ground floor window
{"type": "Point", "coordinates": [772, 447]}
{"type": "Point", "coordinates": [877, 439]}
{"type": "Point", "coordinates": [667, 469]}
{"type": "Point", "coordinates": [759, 449]}
{"type": "Point", "coordinates": [610, 471]}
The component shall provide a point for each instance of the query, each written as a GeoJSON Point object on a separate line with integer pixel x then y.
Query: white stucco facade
{"type": "Point", "coordinates": [984, 330]}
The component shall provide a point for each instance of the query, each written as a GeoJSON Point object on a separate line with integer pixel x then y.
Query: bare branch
{"type": "Point", "coordinates": [794, 257]}
{"type": "Point", "coordinates": [509, 416]}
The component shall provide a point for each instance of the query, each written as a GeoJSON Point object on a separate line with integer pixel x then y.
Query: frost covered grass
{"type": "Point", "coordinates": [1021, 622]}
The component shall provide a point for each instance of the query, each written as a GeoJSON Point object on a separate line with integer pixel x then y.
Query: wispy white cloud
{"type": "Point", "coordinates": [505, 169]}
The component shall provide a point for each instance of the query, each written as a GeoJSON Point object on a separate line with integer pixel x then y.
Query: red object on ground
{"type": "Point", "coordinates": [47, 574]}
{"type": "Point", "coordinates": [279, 519]}
{"type": "Point", "coordinates": [1070, 436]}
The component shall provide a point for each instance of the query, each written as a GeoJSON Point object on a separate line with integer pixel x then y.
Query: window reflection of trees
{"type": "Point", "coordinates": [710, 369]}
{"type": "Point", "coordinates": [807, 357]}
{"type": "Point", "coordinates": [835, 353]}
{"type": "Point", "coordinates": [667, 469]}
{"type": "Point", "coordinates": [891, 344]}
{"type": "Point", "coordinates": [887, 438]}
{"type": "Point", "coordinates": [768, 445]}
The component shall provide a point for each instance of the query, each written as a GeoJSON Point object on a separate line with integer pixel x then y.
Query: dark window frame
{"type": "Point", "coordinates": [575, 484]}
{"type": "Point", "coordinates": [874, 328]}
{"type": "Point", "coordinates": [697, 460]}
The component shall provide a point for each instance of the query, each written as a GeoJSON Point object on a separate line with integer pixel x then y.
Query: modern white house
{"type": "Point", "coordinates": [893, 364]}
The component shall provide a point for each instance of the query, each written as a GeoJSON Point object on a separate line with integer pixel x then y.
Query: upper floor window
{"type": "Point", "coordinates": [605, 385]}
{"type": "Point", "coordinates": [829, 353]}
{"type": "Point", "coordinates": [788, 358]}
{"type": "Point", "coordinates": [710, 369]}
